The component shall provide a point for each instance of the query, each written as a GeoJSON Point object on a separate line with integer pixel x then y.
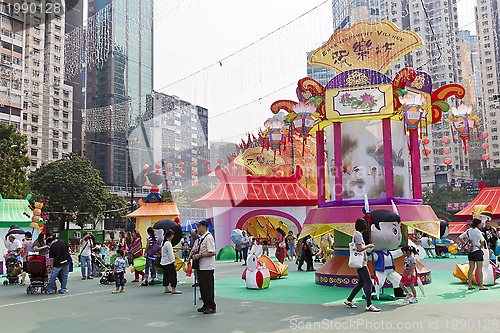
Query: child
{"type": "Point", "coordinates": [409, 273]}
{"type": "Point", "coordinates": [119, 271]}
{"type": "Point", "coordinates": [265, 249]}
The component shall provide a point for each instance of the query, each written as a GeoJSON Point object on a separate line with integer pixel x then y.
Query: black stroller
{"type": "Point", "coordinates": [98, 265]}
{"type": "Point", "coordinates": [108, 276]}
{"type": "Point", "coordinates": [14, 268]}
{"type": "Point", "coordinates": [37, 270]}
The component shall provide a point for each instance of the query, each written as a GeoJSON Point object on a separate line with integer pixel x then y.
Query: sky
{"type": "Point", "coordinates": [241, 66]}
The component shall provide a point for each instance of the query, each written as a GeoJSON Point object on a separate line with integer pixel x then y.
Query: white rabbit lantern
{"type": "Point", "coordinates": [256, 275]}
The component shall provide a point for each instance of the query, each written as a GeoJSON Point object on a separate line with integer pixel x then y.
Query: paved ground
{"type": "Point", "coordinates": [292, 304]}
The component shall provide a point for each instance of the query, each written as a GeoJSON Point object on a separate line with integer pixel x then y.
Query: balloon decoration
{"type": "Point", "coordinates": [38, 219]}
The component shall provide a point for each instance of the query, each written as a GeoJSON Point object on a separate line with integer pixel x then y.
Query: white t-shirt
{"type": "Point", "coordinates": [207, 245]}
{"type": "Point", "coordinates": [16, 244]}
{"type": "Point", "coordinates": [476, 237]}
{"type": "Point", "coordinates": [167, 254]}
{"type": "Point", "coordinates": [425, 241]}
{"type": "Point", "coordinates": [86, 247]}
{"type": "Point", "coordinates": [358, 239]}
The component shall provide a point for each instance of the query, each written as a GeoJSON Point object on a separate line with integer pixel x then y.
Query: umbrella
{"type": "Point", "coordinates": [236, 236]}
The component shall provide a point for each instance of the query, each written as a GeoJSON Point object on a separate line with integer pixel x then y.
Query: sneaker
{"type": "Point", "coordinates": [414, 300]}
{"type": "Point", "coordinates": [408, 297]}
{"type": "Point", "coordinates": [63, 291]}
{"type": "Point", "coordinates": [350, 304]}
{"type": "Point", "coordinates": [115, 292]}
{"type": "Point", "coordinates": [209, 311]}
{"type": "Point", "coordinates": [372, 308]}
{"type": "Point", "coordinates": [89, 277]}
{"type": "Point", "coordinates": [202, 309]}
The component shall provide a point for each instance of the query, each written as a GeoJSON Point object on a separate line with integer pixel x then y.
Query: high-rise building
{"type": "Point", "coordinates": [47, 105]}
{"type": "Point", "coordinates": [123, 84]}
{"type": "Point", "coordinates": [488, 45]}
{"type": "Point", "coordinates": [11, 64]}
{"type": "Point", "coordinates": [179, 134]}
{"type": "Point", "coordinates": [437, 24]}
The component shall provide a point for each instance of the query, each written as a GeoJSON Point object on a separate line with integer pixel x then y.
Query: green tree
{"type": "Point", "coordinates": [490, 177]}
{"type": "Point", "coordinates": [191, 193]}
{"type": "Point", "coordinates": [116, 208]}
{"type": "Point", "coordinates": [13, 163]}
{"type": "Point", "coordinates": [73, 185]}
{"type": "Point", "coordinates": [439, 196]}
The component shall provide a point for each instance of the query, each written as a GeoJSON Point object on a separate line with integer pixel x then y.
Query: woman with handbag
{"type": "Point", "coordinates": [167, 263]}
{"type": "Point", "coordinates": [364, 280]}
{"type": "Point", "coordinates": [473, 239]}
{"type": "Point", "coordinates": [152, 249]}
{"type": "Point", "coordinates": [280, 245]}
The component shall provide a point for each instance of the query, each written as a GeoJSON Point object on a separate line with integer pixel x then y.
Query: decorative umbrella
{"type": "Point", "coordinates": [236, 236]}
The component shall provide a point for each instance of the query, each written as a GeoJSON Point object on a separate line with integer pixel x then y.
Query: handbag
{"type": "Point", "coordinates": [196, 262]}
{"type": "Point", "coordinates": [355, 258]}
{"type": "Point", "coordinates": [157, 262]}
{"type": "Point", "coordinates": [467, 245]}
{"type": "Point", "coordinates": [282, 245]}
{"type": "Point", "coordinates": [153, 249]}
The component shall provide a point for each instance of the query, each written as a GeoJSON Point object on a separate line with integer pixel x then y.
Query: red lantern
{"type": "Point", "coordinates": [169, 183]}
{"type": "Point", "coordinates": [447, 161]}
{"type": "Point", "coordinates": [194, 164]}
{"type": "Point", "coordinates": [484, 135]}
{"type": "Point", "coordinates": [427, 151]}
{"type": "Point", "coordinates": [485, 146]}
{"type": "Point", "coordinates": [145, 167]}
{"type": "Point", "coordinates": [207, 162]}
{"type": "Point", "coordinates": [220, 161]}
{"type": "Point", "coordinates": [169, 174]}
{"type": "Point", "coordinates": [157, 166]}
{"type": "Point", "coordinates": [181, 173]}
{"type": "Point", "coordinates": [181, 165]}
{"type": "Point", "coordinates": [307, 159]}
{"type": "Point", "coordinates": [194, 173]}
{"type": "Point", "coordinates": [146, 184]}
{"type": "Point", "coordinates": [307, 149]}
{"type": "Point", "coordinates": [169, 165]}
{"type": "Point", "coordinates": [485, 157]}
{"type": "Point", "coordinates": [208, 171]}
{"type": "Point", "coordinates": [279, 173]}
{"type": "Point", "coordinates": [445, 139]}
{"type": "Point", "coordinates": [195, 181]}
{"type": "Point", "coordinates": [233, 169]}
{"type": "Point", "coordinates": [446, 150]}
{"type": "Point", "coordinates": [308, 169]}
{"type": "Point", "coordinates": [426, 141]}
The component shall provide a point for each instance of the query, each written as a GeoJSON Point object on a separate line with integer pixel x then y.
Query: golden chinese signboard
{"type": "Point", "coordinates": [365, 45]}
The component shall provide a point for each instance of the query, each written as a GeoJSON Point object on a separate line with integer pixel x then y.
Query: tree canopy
{"type": "Point", "coordinates": [439, 196]}
{"type": "Point", "coordinates": [13, 163]}
{"type": "Point", "coordinates": [73, 186]}
{"type": "Point", "coordinates": [491, 177]}
{"type": "Point", "coordinates": [186, 197]}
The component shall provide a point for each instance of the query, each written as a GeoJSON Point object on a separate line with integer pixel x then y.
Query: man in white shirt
{"type": "Point", "coordinates": [16, 247]}
{"type": "Point", "coordinates": [86, 246]}
{"type": "Point", "coordinates": [206, 255]}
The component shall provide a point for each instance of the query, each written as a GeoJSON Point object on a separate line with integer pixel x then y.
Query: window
{"type": "Point", "coordinates": [65, 114]}
{"type": "Point", "coordinates": [65, 145]}
{"type": "Point", "coordinates": [55, 122]}
{"type": "Point", "coordinates": [56, 91]}
{"type": "Point", "coordinates": [57, 59]}
{"type": "Point", "coordinates": [58, 28]}
{"type": "Point", "coordinates": [34, 118]}
{"type": "Point", "coordinates": [55, 155]}
{"type": "Point", "coordinates": [66, 93]}
{"type": "Point", "coordinates": [34, 152]}
{"type": "Point", "coordinates": [65, 135]}
{"type": "Point", "coordinates": [36, 73]}
{"type": "Point", "coordinates": [34, 129]}
{"type": "Point", "coordinates": [57, 48]}
{"type": "Point", "coordinates": [56, 101]}
{"type": "Point", "coordinates": [66, 104]}
{"type": "Point", "coordinates": [33, 163]}
{"type": "Point", "coordinates": [65, 125]}
{"type": "Point", "coordinates": [34, 141]}
{"type": "Point", "coordinates": [56, 113]}
{"type": "Point", "coordinates": [57, 69]}
{"type": "Point", "coordinates": [55, 144]}
{"type": "Point", "coordinates": [55, 134]}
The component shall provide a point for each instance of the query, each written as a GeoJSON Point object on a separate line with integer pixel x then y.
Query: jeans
{"type": "Point", "coordinates": [149, 262]}
{"type": "Point", "coordinates": [86, 262]}
{"type": "Point", "coordinates": [245, 253]}
{"type": "Point", "coordinates": [119, 279]}
{"type": "Point", "coordinates": [365, 283]}
{"type": "Point", "coordinates": [64, 270]}
{"type": "Point", "coordinates": [291, 250]}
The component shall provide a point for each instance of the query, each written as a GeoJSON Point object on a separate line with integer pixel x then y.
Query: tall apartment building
{"type": "Point", "coordinates": [47, 105]}
{"type": "Point", "coordinates": [180, 134]}
{"type": "Point", "coordinates": [124, 83]}
{"type": "Point", "coordinates": [11, 64]}
{"type": "Point", "coordinates": [488, 45]}
{"type": "Point", "coordinates": [438, 58]}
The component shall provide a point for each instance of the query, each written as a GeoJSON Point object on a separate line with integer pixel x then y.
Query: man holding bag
{"type": "Point", "coordinates": [364, 280]}
{"type": "Point", "coordinates": [206, 256]}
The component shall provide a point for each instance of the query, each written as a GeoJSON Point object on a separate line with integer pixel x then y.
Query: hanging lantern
{"type": "Point", "coordinates": [485, 145]}
{"type": "Point", "coordinates": [307, 159]}
{"type": "Point", "coordinates": [484, 135]}
{"type": "Point", "coordinates": [181, 173]}
{"type": "Point", "coordinates": [220, 161]}
{"type": "Point", "coordinates": [169, 174]}
{"type": "Point", "coordinates": [194, 173]}
{"type": "Point", "coordinates": [207, 162]}
{"type": "Point", "coordinates": [195, 181]}
{"type": "Point", "coordinates": [279, 173]}
{"type": "Point", "coordinates": [307, 149]}
{"type": "Point", "coordinates": [275, 137]}
{"type": "Point", "coordinates": [463, 121]}
{"type": "Point", "coordinates": [413, 112]}
{"type": "Point", "coordinates": [145, 167]}
{"type": "Point", "coordinates": [427, 151]}
{"type": "Point", "coordinates": [303, 123]}
{"type": "Point", "coordinates": [194, 164]}
{"type": "Point", "coordinates": [447, 161]}
{"type": "Point", "coordinates": [169, 182]}
{"type": "Point", "coordinates": [169, 165]}
{"type": "Point", "coordinates": [445, 139]}
{"type": "Point", "coordinates": [446, 150]}
{"type": "Point", "coordinates": [233, 169]}
{"type": "Point", "coordinates": [208, 171]}
{"type": "Point", "coordinates": [181, 165]}
{"type": "Point", "coordinates": [485, 157]}
{"type": "Point", "coordinates": [426, 141]}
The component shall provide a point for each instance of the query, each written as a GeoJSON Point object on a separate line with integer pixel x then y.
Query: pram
{"type": "Point", "coordinates": [14, 268]}
{"type": "Point", "coordinates": [37, 270]}
{"type": "Point", "coordinates": [98, 265]}
{"type": "Point", "coordinates": [108, 276]}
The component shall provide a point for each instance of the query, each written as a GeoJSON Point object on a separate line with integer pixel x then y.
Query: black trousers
{"type": "Point", "coordinates": [309, 259]}
{"type": "Point", "coordinates": [169, 275]}
{"type": "Point", "coordinates": [206, 282]}
{"type": "Point", "coordinates": [365, 283]}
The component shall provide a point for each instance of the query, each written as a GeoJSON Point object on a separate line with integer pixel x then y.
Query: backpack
{"type": "Point", "coordinates": [467, 245]}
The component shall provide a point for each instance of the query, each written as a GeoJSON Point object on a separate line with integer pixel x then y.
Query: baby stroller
{"type": "Point", "coordinates": [37, 270]}
{"type": "Point", "coordinates": [108, 276]}
{"type": "Point", "coordinates": [98, 265]}
{"type": "Point", "coordinates": [14, 268]}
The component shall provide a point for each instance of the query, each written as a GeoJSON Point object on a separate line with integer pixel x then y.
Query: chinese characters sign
{"type": "Point", "coordinates": [456, 206]}
{"type": "Point", "coordinates": [258, 161]}
{"type": "Point", "coordinates": [365, 45]}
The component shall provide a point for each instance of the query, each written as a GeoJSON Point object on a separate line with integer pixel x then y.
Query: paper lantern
{"type": "Point", "coordinates": [279, 173]}
{"type": "Point", "coordinates": [303, 123]}
{"type": "Point", "coordinates": [194, 164]}
{"type": "Point", "coordinates": [194, 173]}
{"type": "Point", "coordinates": [275, 137]}
{"type": "Point", "coordinates": [157, 166]}
{"type": "Point", "coordinates": [169, 165]}
{"type": "Point", "coordinates": [307, 159]}
{"type": "Point", "coordinates": [169, 183]}
{"type": "Point", "coordinates": [484, 135]}
{"type": "Point", "coordinates": [308, 169]}
{"type": "Point", "coordinates": [195, 181]}
{"type": "Point", "coordinates": [485, 146]}
{"type": "Point", "coordinates": [485, 157]}
{"type": "Point", "coordinates": [145, 167]}
{"type": "Point", "coordinates": [220, 161]}
{"type": "Point", "coordinates": [445, 139]}
{"type": "Point", "coordinates": [426, 141]}
{"type": "Point", "coordinates": [233, 169]}
{"type": "Point", "coordinates": [446, 150]}
{"type": "Point", "coordinates": [146, 183]}
{"type": "Point", "coordinates": [169, 174]}
{"type": "Point", "coordinates": [307, 149]}
{"type": "Point", "coordinates": [181, 165]}
{"type": "Point", "coordinates": [181, 173]}
{"type": "Point", "coordinates": [427, 151]}
{"type": "Point", "coordinates": [208, 171]}
{"type": "Point", "coordinates": [447, 161]}
{"type": "Point", "coordinates": [207, 162]}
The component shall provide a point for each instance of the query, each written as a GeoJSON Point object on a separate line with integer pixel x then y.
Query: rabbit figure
{"type": "Point", "coordinates": [257, 275]}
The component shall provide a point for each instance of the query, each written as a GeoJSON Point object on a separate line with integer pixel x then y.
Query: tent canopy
{"type": "Point", "coordinates": [190, 224]}
{"type": "Point", "coordinates": [487, 196]}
